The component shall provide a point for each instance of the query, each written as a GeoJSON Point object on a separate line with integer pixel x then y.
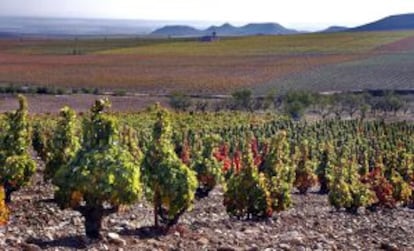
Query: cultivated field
{"type": "Point", "coordinates": [320, 62]}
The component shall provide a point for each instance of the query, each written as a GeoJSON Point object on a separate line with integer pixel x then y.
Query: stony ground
{"type": "Point", "coordinates": [311, 224]}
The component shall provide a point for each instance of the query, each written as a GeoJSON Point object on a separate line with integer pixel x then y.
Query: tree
{"type": "Point", "coordinates": [16, 165]}
{"type": "Point", "coordinates": [242, 99]}
{"type": "Point", "coordinates": [324, 105]}
{"type": "Point", "coordinates": [171, 183]}
{"type": "Point", "coordinates": [269, 100]}
{"type": "Point", "coordinates": [352, 103]}
{"type": "Point", "coordinates": [296, 102]}
{"type": "Point", "coordinates": [389, 103]}
{"type": "Point", "coordinates": [201, 106]}
{"type": "Point", "coordinates": [180, 101]}
{"type": "Point", "coordinates": [102, 175]}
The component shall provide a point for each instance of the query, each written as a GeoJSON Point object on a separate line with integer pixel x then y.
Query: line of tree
{"type": "Point", "coordinates": [296, 103]}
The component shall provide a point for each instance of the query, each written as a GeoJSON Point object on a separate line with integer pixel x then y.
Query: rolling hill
{"type": "Point", "coordinates": [225, 30]}
{"type": "Point", "coordinates": [397, 22]}
{"type": "Point", "coordinates": [177, 30]}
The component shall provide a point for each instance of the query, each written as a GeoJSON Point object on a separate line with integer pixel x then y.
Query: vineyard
{"type": "Point", "coordinates": [224, 180]}
{"type": "Point", "coordinates": [160, 66]}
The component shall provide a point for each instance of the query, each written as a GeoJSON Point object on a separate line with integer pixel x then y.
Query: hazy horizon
{"type": "Point", "coordinates": [296, 14]}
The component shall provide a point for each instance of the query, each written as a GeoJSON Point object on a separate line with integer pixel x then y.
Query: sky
{"type": "Point", "coordinates": [299, 14]}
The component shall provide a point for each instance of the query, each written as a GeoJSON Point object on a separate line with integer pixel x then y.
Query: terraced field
{"type": "Point", "coordinates": [320, 62]}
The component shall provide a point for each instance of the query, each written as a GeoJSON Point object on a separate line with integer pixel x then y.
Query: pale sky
{"type": "Point", "coordinates": [299, 14]}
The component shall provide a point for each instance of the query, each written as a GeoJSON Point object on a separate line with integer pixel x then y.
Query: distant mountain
{"type": "Point", "coordinates": [177, 30]}
{"type": "Point", "coordinates": [335, 29]}
{"type": "Point", "coordinates": [397, 22]}
{"type": "Point", "coordinates": [225, 30]}
{"type": "Point", "coordinates": [266, 28]}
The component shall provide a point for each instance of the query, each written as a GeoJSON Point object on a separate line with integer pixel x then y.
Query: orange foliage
{"type": "Point", "coordinates": [4, 211]}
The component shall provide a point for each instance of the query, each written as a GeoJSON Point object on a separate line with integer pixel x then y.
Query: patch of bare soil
{"type": "Point", "coordinates": [79, 102]}
{"type": "Point", "coordinates": [311, 224]}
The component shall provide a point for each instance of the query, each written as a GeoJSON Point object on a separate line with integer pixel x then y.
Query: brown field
{"type": "Point", "coordinates": [159, 67]}
{"type": "Point", "coordinates": [157, 74]}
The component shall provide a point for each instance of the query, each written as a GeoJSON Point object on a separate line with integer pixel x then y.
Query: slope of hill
{"type": "Point", "coordinates": [397, 22]}
{"type": "Point", "coordinates": [226, 30]}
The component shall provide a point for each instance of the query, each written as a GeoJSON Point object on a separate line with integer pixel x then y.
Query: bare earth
{"type": "Point", "coordinates": [79, 102]}
{"type": "Point", "coordinates": [311, 224]}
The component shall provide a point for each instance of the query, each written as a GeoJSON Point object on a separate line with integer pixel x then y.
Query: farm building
{"type": "Point", "coordinates": [210, 38]}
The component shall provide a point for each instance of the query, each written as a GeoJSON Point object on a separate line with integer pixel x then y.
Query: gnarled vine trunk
{"type": "Point", "coordinates": [93, 220]}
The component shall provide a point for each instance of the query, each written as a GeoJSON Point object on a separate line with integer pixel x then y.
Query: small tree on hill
{"type": "Point", "coordinates": [102, 176]}
{"type": "Point", "coordinates": [16, 165]}
{"type": "Point", "coordinates": [171, 183]}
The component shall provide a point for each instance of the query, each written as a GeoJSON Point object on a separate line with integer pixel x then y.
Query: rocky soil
{"type": "Point", "coordinates": [311, 224]}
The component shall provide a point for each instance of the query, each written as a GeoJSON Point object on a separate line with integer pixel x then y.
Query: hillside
{"type": "Point", "coordinates": [225, 30]}
{"type": "Point", "coordinates": [397, 22]}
